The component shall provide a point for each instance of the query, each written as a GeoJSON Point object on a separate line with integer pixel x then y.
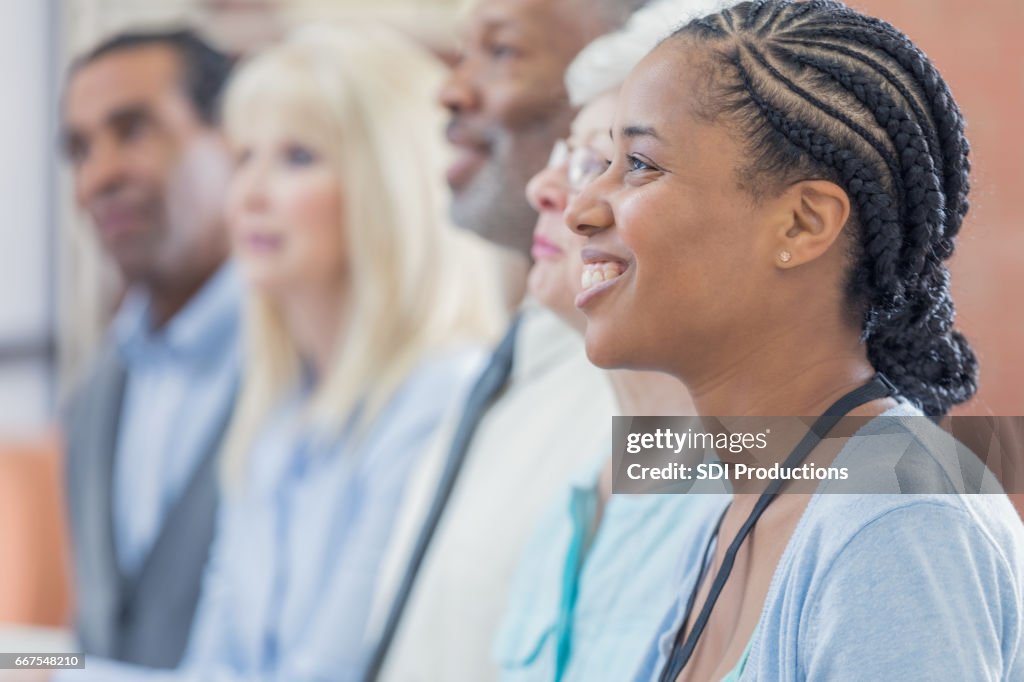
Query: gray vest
{"type": "Point", "coordinates": [143, 619]}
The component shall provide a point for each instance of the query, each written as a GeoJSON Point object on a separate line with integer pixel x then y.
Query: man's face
{"type": "Point", "coordinates": [146, 169]}
{"type": "Point", "coordinates": [508, 106]}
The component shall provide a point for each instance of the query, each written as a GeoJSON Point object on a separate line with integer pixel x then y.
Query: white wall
{"type": "Point", "coordinates": [26, 219]}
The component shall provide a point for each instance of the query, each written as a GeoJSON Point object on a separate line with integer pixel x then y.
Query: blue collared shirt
{"type": "Point", "coordinates": [299, 541]}
{"type": "Point", "coordinates": [180, 380]}
{"type": "Point", "coordinates": [586, 608]}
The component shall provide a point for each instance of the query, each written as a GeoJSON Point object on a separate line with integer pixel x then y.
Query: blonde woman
{"type": "Point", "coordinates": [366, 319]}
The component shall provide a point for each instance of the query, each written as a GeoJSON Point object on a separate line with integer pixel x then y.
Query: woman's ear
{"type": "Point", "coordinates": [814, 213]}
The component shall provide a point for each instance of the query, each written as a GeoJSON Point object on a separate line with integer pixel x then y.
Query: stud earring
{"type": "Point", "coordinates": [785, 256]}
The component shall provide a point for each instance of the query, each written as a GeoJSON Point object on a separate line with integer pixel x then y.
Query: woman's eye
{"type": "Point", "coordinates": [299, 156]}
{"type": "Point", "coordinates": [502, 51]}
{"type": "Point", "coordinates": [596, 165]}
{"type": "Point", "coordinates": [635, 163]}
{"type": "Point", "coordinates": [133, 130]}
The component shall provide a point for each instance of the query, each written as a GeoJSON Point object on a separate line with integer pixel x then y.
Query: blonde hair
{"type": "Point", "coordinates": [416, 285]}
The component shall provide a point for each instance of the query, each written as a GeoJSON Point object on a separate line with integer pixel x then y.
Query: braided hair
{"type": "Point", "coordinates": [821, 91]}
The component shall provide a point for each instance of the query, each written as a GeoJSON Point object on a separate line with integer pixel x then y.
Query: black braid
{"type": "Point", "coordinates": [772, 18]}
{"type": "Point", "coordinates": [943, 109]}
{"type": "Point", "coordinates": [800, 11]}
{"type": "Point", "coordinates": [727, 15]}
{"type": "Point", "coordinates": [753, 12]}
{"type": "Point", "coordinates": [875, 143]}
{"type": "Point", "coordinates": [707, 27]}
{"type": "Point", "coordinates": [873, 203]}
{"type": "Point", "coordinates": [896, 83]}
{"type": "Point", "coordinates": [824, 91]}
{"type": "Point", "coordinates": [924, 208]}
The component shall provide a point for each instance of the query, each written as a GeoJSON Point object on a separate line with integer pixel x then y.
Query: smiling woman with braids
{"type": "Point", "coordinates": [787, 184]}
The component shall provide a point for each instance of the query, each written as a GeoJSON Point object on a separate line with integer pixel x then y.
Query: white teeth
{"type": "Point", "coordinates": [597, 273]}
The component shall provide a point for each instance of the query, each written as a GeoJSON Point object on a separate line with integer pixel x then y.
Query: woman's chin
{"type": "Point", "coordinates": [268, 284]}
{"type": "Point", "coordinates": [541, 283]}
{"type": "Point", "coordinates": [604, 349]}
{"type": "Point", "coordinates": [550, 290]}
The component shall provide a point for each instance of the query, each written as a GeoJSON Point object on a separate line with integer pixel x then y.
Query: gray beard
{"type": "Point", "coordinates": [493, 204]}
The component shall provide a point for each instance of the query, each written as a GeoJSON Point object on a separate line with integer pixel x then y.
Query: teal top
{"type": "Point", "coordinates": [585, 601]}
{"type": "Point", "coordinates": [737, 672]}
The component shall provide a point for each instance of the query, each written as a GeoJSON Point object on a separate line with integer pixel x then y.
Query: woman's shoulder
{"type": "Point", "coordinates": [907, 491]}
{"type": "Point", "coordinates": [871, 575]}
{"type": "Point", "coordinates": [440, 378]}
{"type": "Point", "coordinates": [986, 522]}
{"type": "Point", "coordinates": [435, 388]}
{"type": "Point", "coordinates": [902, 451]}
{"type": "Point", "coordinates": [905, 472]}
{"type": "Point", "coordinates": [451, 366]}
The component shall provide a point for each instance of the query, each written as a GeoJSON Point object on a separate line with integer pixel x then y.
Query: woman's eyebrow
{"type": "Point", "coordinates": [640, 131]}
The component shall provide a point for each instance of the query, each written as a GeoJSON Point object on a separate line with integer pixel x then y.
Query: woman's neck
{"type": "Point", "coordinates": [799, 371]}
{"type": "Point", "coordinates": [513, 271]}
{"type": "Point", "coordinates": [649, 394]}
{"type": "Point", "coordinates": [654, 394]}
{"type": "Point", "coordinates": [315, 320]}
{"type": "Point", "coordinates": [786, 376]}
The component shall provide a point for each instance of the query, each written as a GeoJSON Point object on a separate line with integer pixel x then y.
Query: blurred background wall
{"type": "Point", "coordinates": [978, 47]}
{"type": "Point", "coordinates": [27, 228]}
{"type": "Point", "coordinates": [56, 292]}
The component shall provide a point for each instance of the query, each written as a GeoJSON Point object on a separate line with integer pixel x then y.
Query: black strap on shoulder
{"type": "Point", "coordinates": [878, 387]}
{"type": "Point", "coordinates": [487, 387]}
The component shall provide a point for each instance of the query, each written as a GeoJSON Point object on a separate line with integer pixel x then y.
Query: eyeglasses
{"type": "Point", "coordinates": [583, 164]}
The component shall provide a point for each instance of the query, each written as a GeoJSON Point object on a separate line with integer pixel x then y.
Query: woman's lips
{"type": "Point", "coordinates": [466, 164]}
{"type": "Point", "coordinates": [119, 222]}
{"type": "Point", "coordinates": [545, 249]}
{"type": "Point", "coordinates": [262, 242]}
{"type": "Point", "coordinates": [601, 271]}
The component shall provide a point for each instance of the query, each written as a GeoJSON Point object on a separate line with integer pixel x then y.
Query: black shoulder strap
{"type": "Point", "coordinates": [878, 387]}
{"type": "Point", "coordinates": [487, 387]}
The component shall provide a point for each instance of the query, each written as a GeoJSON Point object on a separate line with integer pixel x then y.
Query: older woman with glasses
{"type": "Point", "coordinates": [592, 583]}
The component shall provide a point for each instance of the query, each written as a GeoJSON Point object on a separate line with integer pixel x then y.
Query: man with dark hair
{"type": "Point", "coordinates": [203, 68]}
{"type": "Point", "coordinates": [150, 170]}
{"type": "Point", "coordinates": [540, 409]}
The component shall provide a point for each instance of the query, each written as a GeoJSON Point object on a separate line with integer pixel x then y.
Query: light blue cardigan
{"type": "Point", "coordinates": [887, 586]}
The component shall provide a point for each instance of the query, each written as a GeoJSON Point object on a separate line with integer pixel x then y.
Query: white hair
{"type": "Point", "coordinates": [605, 62]}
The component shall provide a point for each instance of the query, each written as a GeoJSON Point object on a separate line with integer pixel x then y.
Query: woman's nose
{"type": "Point", "coordinates": [251, 183]}
{"type": "Point", "coordinates": [548, 190]}
{"type": "Point", "coordinates": [588, 211]}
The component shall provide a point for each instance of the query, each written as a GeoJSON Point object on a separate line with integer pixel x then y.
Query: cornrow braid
{"type": "Point", "coordinates": [823, 91]}
{"type": "Point", "coordinates": [801, 11]}
{"type": "Point", "coordinates": [879, 36]}
{"type": "Point", "coordinates": [917, 175]}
